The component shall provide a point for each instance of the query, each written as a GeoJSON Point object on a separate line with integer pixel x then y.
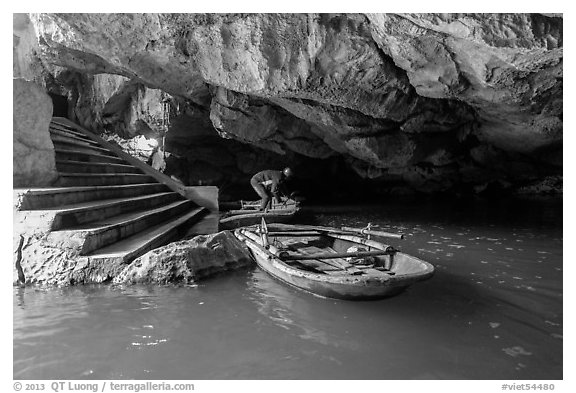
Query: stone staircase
{"type": "Point", "coordinates": [106, 205]}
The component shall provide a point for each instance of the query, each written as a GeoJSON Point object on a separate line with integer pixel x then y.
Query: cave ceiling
{"type": "Point", "coordinates": [430, 98]}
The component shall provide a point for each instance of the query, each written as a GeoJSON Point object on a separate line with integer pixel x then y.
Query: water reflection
{"type": "Point", "coordinates": [297, 312]}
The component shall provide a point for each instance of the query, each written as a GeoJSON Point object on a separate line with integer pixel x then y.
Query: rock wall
{"type": "Point", "coordinates": [438, 102]}
{"type": "Point", "coordinates": [33, 156]}
{"type": "Point", "coordinates": [26, 62]}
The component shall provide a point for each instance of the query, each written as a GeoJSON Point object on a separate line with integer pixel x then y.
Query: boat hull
{"type": "Point", "coordinates": [373, 290]}
{"type": "Point", "coordinates": [347, 287]}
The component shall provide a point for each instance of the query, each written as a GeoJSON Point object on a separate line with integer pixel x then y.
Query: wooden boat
{"type": "Point", "coordinates": [331, 262]}
{"type": "Point", "coordinates": [248, 214]}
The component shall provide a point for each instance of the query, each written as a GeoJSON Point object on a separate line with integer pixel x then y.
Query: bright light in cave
{"type": "Point", "coordinates": [146, 144]}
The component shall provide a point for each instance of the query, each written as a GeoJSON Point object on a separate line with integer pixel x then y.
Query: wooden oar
{"type": "Point", "coordinates": [264, 233]}
{"type": "Point", "coordinates": [333, 255]}
{"type": "Point", "coordinates": [375, 233]}
{"type": "Point", "coordinates": [256, 204]}
{"type": "Point", "coordinates": [361, 240]}
{"type": "Point", "coordinates": [258, 240]}
{"type": "Point", "coordinates": [295, 234]}
{"type": "Point", "coordinates": [344, 230]}
{"type": "Point", "coordinates": [254, 245]}
{"type": "Point", "coordinates": [335, 233]}
{"type": "Point", "coordinates": [257, 212]}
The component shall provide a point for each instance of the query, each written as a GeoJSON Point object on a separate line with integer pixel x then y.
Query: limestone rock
{"type": "Point", "coordinates": [138, 147]}
{"type": "Point", "coordinates": [508, 67]}
{"type": "Point", "coordinates": [187, 261]}
{"type": "Point", "coordinates": [113, 102]}
{"type": "Point", "coordinates": [33, 151]}
{"type": "Point", "coordinates": [266, 126]}
{"type": "Point", "coordinates": [26, 59]}
{"type": "Point", "coordinates": [383, 92]}
{"type": "Point", "coordinates": [549, 186]}
{"type": "Point", "coordinates": [38, 261]}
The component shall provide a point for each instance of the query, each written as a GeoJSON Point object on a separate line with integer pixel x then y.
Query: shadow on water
{"type": "Point", "coordinates": [539, 212]}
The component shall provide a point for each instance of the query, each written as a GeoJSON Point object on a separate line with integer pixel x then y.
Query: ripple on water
{"type": "Point", "coordinates": [516, 351]}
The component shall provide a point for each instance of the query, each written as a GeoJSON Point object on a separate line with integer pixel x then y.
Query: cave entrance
{"type": "Point", "coordinates": [60, 105]}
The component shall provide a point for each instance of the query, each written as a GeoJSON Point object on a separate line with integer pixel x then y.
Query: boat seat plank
{"type": "Point", "coordinates": [318, 266]}
{"type": "Point", "coordinates": [299, 245]}
{"type": "Point", "coordinates": [311, 250]}
{"type": "Point", "coordinates": [346, 268]}
{"type": "Point", "coordinates": [294, 243]}
{"type": "Point", "coordinates": [367, 270]}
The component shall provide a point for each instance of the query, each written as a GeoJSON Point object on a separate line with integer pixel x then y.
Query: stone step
{"type": "Point", "coordinates": [42, 198]}
{"type": "Point", "coordinates": [67, 144]}
{"type": "Point", "coordinates": [94, 167]}
{"type": "Point", "coordinates": [102, 179]}
{"type": "Point", "coordinates": [132, 247]}
{"type": "Point", "coordinates": [65, 126]}
{"type": "Point", "coordinates": [95, 235]}
{"type": "Point", "coordinates": [85, 156]}
{"type": "Point", "coordinates": [70, 216]}
{"type": "Point", "coordinates": [68, 131]}
{"type": "Point", "coordinates": [56, 133]}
